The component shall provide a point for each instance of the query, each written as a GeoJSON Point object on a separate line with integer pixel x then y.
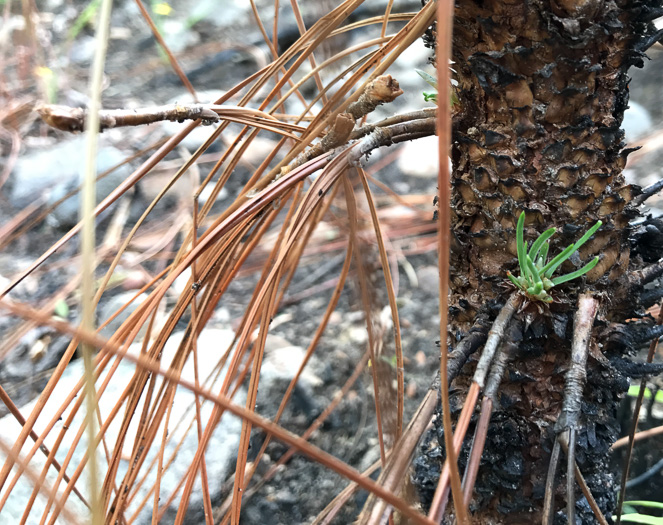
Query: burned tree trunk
{"type": "Point", "coordinates": [542, 87]}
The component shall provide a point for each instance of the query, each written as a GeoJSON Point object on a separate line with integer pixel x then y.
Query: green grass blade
{"type": "Point", "coordinates": [644, 503]}
{"type": "Point", "coordinates": [554, 264]}
{"type": "Point", "coordinates": [573, 275]}
{"type": "Point", "coordinates": [549, 268]}
{"type": "Point", "coordinates": [543, 254]}
{"type": "Point", "coordinates": [644, 519]}
{"type": "Point", "coordinates": [520, 244]}
{"type": "Point", "coordinates": [514, 280]}
{"type": "Point", "coordinates": [533, 272]}
{"type": "Point", "coordinates": [538, 244]}
{"type": "Point", "coordinates": [428, 78]}
{"type": "Point", "coordinates": [588, 234]}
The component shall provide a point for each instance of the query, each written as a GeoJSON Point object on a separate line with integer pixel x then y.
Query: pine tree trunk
{"type": "Point", "coordinates": [542, 87]}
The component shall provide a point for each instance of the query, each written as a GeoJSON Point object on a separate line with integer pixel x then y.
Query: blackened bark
{"type": "Point", "coordinates": [543, 87]}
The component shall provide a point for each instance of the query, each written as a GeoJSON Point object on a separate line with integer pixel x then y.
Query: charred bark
{"type": "Point", "coordinates": [543, 87]}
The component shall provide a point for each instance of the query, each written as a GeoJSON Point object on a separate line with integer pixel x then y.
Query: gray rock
{"type": "Point", "coordinates": [220, 451]}
{"type": "Point", "coordinates": [58, 170]}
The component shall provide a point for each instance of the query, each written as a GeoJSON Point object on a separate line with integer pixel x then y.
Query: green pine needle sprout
{"type": "Point", "coordinates": [535, 278]}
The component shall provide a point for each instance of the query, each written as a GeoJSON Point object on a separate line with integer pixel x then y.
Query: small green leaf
{"type": "Point", "coordinates": [430, 97]}
{"type": "Point", "coordinates": [576, 274]}
{"type": "Point", "coordinates": [428, 78]}
{"type": "Point", "coordinates": [520, 244]}
{"type": "Point", "coordinates": [536, 289]}
{"type": "Point", "coordinates": [536, 278]}
{"type": "Point", "coordinates": [538, 244]}
{"type": "Point", "coordinates": [587, 235]}
{"type": "Point", "coordinates": [645, 503]}
{"type": "Point", "coordinates": [513, 280]}
{"type": "Point", "coordinates": [642, 519]}
{"type": "Point", "coordinates": [554, 263]}
{"type": "Point", "coordinates": [543, 255]}
{"type": "Point", "coordinates": [61, 309]}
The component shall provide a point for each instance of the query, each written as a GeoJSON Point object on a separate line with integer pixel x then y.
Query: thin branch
{"type": "Point", "coordinates": [575, 380]}
{"type": "Point", "coordinates": [583, 486]}
{"type": "Point", "coordinates": [644, 434]}
{"type": "Point", "coordinates": [548, 511]}
{"type": "Point", "coordinates": [505, 354]}
{"type": "Point", "coordinates": [647, 192]}
{"type": "Point", "coordinates": [646, 275]}
{"type": "Point", "coordinates": [495, 336]}
{"type": "Point", "coordinates": [70, 119]}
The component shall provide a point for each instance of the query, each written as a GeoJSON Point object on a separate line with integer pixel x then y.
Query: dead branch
{"type": "Point", "coordinates": [648, 192]}
{"type": "Point", "coordinates": [494, 337]}
{"type": "Point", "coordinates": [380, 91]}
{"type": "Point", "coordinates": [575, 381]}
{"type": "Point", "coordinates": [505, 354]}
{"type": "Point", "coordinates": [70, 119]}
{"type": "Point", "coordinates": [646, 275]}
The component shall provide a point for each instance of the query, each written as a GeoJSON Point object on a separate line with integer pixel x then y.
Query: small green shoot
{"type": "Point", "coordinates": [432, 97]}
{"type": "Point", "coordinates": [61, 309]}
{"type": "Point", "coordinates": [535, 273]}
{"type": "Point", "coordinates": [635, 517]}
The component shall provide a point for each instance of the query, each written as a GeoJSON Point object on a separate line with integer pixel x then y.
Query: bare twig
{"type": "Point", "coordinates": [507, 350]}
{"type": "Point", "coordinates": [495, 336]}
{"type": "Point", "coordinates": [646, 275]}
{"type": "Point", "coordinates": [382, 90]}
{"type": "Point", "coordinates": [575, 380]}
{"type": "Point", "coordinates": [70, 119]}
{"type": "Point", "coordinates": [647, 192]}
{"type": "Point", "coordinates": [583, 486]}
{"type": "Point", "coordinates": [644, 434]}
{"type": "Point", "coordinates": [548, 511]}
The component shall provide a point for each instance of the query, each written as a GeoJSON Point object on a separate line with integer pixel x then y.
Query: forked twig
{"type": "Point", "coordinates": [507, 350]}
{"type": "Point", "coordinates": [495, 336]}
{"type": "Point", "coordinates": [565, 428]}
